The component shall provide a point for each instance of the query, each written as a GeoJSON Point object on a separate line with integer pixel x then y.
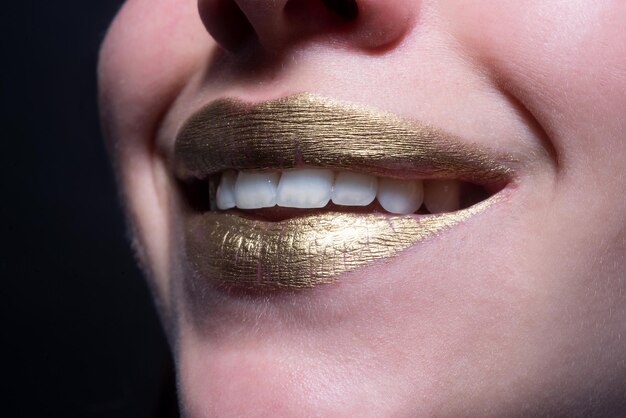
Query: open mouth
{"type": "Point", "coordinates": [279, 195]}
{"type": "Point", "coordinates": [291, 193]}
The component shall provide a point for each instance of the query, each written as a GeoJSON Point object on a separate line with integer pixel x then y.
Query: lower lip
{"type": "Point", "coordinates": [307, 251]}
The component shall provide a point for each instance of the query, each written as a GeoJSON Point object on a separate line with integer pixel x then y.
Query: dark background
{"type": "Point", "coordinates": [80, 335]}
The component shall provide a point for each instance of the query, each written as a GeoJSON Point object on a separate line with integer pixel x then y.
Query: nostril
{"type": "Point", "coordinates": [345, 9]}
{"type": "Point", "coordinates": [310, 18]}
{"type": "Point", "coordinates": [226, 23]}
{"type": "Point", "coordinates": [317, 15]}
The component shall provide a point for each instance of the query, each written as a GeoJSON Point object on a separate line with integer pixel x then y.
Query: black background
{"type": "Point", "coordinates": [80, 335]}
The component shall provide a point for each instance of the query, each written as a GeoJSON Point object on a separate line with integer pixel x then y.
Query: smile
{"type": "Point", "coordinates": [291, 193]}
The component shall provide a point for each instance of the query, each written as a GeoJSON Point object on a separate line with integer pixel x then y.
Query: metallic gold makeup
{"type": "Point", "coordinates": [306, 130]}
{"type": "Point", "coordinates": [306, 251]}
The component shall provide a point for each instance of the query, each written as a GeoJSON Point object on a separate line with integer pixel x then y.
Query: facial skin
{"type": "Point", "coordinates": [520, 310]}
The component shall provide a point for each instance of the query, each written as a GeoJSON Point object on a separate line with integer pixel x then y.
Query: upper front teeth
{"type": "Point", "coordinates": [314, 188]}
{"type": "Point", "coordinates": [354, 189]}
{"type": "Point", "coordinates": [305, 188]}
{"type": "Point", "coordinates": [255, 190]}
{"type": "Point", "coordinates": [225, 195]}
{"type": "Point", "coordinates": [400, 196]}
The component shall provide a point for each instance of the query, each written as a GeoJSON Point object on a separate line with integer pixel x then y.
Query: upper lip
{"type": "Point", "coordinates": [308, 130]}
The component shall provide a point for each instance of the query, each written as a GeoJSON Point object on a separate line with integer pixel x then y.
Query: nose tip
{"type": "Point", "coordinates": [275, 25]}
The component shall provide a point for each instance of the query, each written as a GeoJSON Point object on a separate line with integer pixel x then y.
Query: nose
{"type": "Point", "coordinates": [276, 25]}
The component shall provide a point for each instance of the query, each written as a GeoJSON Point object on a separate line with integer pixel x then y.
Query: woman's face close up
{"type": "Point", "coordinates": [378, 208]}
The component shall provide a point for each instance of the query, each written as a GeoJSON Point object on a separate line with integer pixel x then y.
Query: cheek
{"type": "Point", "coordinates": [149, 51]}
{"type": "Point", "coordinates": [148, 54]}
{"type": "Point", "coordinates": [564, 61]}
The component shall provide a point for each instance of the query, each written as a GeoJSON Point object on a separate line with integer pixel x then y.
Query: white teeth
{"type": "Point", "coordinates": [400, 196]}
{"type": "Point", "coordinates": [354, 189]}
{"type": "Point", "coordinates": [305, 188]}
{"type": "Point", "coordinates": [315, 187]}
{"type": "Point", "coordinates": [254, 190]}
{"type": "Point", "coordinates": [441, 195]}
{"type": "Point", "coordinates": [225, 195]}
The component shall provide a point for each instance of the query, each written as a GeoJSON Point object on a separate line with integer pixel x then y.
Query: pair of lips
{"type": "Point", "coordinates": [309, 131]}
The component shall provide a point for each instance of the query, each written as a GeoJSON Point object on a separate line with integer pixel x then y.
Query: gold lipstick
{"type": "Point", "coordinates": [307, 130]}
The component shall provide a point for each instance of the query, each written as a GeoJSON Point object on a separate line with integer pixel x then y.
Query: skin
{"type": "Point", "coordinates": [519, 311]}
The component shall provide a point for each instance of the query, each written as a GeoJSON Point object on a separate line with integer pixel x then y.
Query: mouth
{"type": "Point", "coordinates": [292, 193]}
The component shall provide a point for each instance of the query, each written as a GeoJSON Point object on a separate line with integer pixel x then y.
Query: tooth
{"type": "Point", "coordinates": [400, 196]}
{"type": "Point", "coordinates": [225, 196]}
{"type": "Point", "coordinates": [305, 188]}
{"type": "Point", "coordinates": [354, 189]}
{"type": "Point", "coordinates": [441, 195]}
{"type": "Point", "coordinates": [254, 190]}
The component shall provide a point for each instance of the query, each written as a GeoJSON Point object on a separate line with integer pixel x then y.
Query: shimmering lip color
{"type": "Point", "coordinates": [307, 130]}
